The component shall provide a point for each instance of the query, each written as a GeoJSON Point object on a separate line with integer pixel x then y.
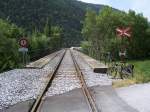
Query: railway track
{"type": "Point", "coordinates": [39, 101]}
{"type": "Point", "coordinates": [86, 92]}
{"type": "Point", "coordinates": [41, 63]}
{"type": "Point", "coordinates": [90, 100]}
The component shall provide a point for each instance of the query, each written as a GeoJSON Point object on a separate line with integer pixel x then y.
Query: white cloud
{"type": "Point", "coordinates": [96, 1]}
{"type": "Point", "coordinates": [140, 6]}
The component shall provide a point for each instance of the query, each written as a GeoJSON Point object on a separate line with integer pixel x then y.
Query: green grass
{"type": "Point", "coordinates": [123, 83]}
{"type": "Point", "coordinates": [142, 71]}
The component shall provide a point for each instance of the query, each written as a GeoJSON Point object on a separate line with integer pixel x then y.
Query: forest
{"type": "Point", "coordinates": [32, 15]}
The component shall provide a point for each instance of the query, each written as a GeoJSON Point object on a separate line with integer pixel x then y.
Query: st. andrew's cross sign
{"type": "Point", "coordinates": [124, 32]}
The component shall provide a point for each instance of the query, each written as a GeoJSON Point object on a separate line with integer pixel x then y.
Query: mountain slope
{"type": "Point", "coordinates": [32, 14]}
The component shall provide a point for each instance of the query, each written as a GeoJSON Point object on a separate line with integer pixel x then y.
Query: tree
{"type": "Point", "coordinates": [99, 30]}
{"type": "Point", "coordinates": [88, 30]}
{"type": "Point", "coordinates": [9, 55]}
{"type": "Point", "coordinates": [55, 40]}
{"type": "Point", "coordinates": [47, 28]}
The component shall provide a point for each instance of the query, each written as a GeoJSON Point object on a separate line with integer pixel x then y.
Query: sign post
{"type": "Point", "coordinates": [23, 48]}
{"type": "Point", "coordinates": [123, 33]}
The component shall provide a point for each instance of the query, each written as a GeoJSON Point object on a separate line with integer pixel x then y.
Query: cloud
{"type": "Point", "coordinates": [142, 7]}
{"type": "Point", "coordinates": [137, 5]}
{"type": "Point", "coordinates": [96, 1]}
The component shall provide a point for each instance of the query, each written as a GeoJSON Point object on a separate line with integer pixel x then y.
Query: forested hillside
{"type": "Point", "coordinates": [32, 15]}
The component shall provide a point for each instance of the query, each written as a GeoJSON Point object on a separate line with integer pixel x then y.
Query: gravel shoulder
{"type": "Point", "coordinates": [92, 79]}
{"type": "Point", "coordinates": [137, 96]}
{"type": "Point", "coordinates": [20, 85]}
{"type": "Point", "coordinates": [23, 84]}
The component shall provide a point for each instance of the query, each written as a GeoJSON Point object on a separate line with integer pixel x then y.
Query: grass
{"type": "Point", "coordinates": [142, 71]}
{"type": "Point", "coordinates": [123, 83]}
{"type": "Point", "coordinates": [141, 74]}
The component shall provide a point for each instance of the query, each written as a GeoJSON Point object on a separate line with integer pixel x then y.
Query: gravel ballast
{"type": "Point", "coordinates": [20, 85]}
{"type": "Point", "coordinates": [92, 79]}
{"type": "Point", "coordinates": [23, 84]}
{"type": "Point", "coordinates": [66, 78]}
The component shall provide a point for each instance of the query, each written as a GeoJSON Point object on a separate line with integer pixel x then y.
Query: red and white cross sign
{"type": "Point", "coordinates": [123, 32]}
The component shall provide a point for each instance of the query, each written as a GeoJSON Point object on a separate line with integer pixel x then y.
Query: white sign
{"type": "Point", "coordinates": [122, 53]}
{"type": "Point", "coordinates": [23, 49]}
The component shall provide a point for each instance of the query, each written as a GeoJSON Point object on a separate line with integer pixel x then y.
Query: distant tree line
{"type": "Point", "coordinates": [100, 37]}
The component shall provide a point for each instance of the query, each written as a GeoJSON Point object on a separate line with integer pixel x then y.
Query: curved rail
{"type": "Point", "coordinates": [38, 101]}
{"type": "Point", "coordinates": [85, 90]}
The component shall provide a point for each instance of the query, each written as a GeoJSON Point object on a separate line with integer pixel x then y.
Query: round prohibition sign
{"type": "Point", "coordinates": [23, 42]}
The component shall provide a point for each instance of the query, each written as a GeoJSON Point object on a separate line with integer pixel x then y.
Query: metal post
{"type": "Point", "coordinates": [23, 53]}
{"type": "Point", "coordinates": [25, 58]}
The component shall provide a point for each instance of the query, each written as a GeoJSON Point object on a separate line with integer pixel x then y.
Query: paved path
{"type": "Point", "coordinates": [138, 96]}
{"type": "Point", "coordinates": [19, 107]}
{"type": "Point", "coordinates": [72, 101]}
{"type": "Point", "coordinates": [108, 101]}
{"type": "Point", "coordinates": [105, 96]}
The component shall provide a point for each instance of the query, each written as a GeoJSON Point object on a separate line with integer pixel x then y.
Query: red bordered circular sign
{"type": "Point", "coordinates": [23, 42]}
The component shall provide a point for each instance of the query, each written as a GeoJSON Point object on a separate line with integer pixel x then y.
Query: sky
{"type": "Point", "coordinates": [140, 6]}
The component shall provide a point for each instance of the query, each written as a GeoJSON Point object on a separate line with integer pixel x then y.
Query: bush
{"type": "Point", "coordinates": [9, 55]}
{"type": "Point", "coordinates": [40, 44]}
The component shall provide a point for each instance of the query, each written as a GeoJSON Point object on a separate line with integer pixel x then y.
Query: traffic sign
{"type": "Point", "coordinates": [123, 32]}
{"type": "Point", "coordinates": [23, 49]}
{"type": "Point", "coordinates": [122, 53]}
{"type": "Point", "coordinates": [23, 42]}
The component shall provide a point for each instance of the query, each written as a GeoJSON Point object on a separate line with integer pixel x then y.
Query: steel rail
{"type": "Point", "coordinates": [59, 52]}
{"type": "Point", "coordinates": [39, 99]}
{"type": "Point", "coordinates": [88, 96]}
{"type": "Point", "coordinates": [43, 65]}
